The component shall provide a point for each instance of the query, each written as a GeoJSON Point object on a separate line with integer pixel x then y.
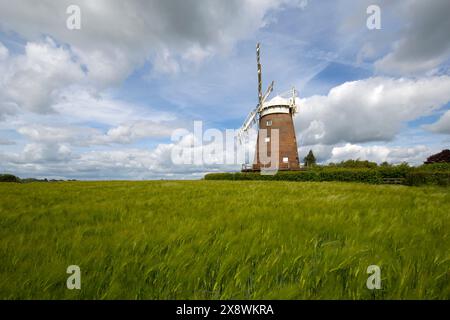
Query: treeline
{"type": "Point", "coordinates": [354, 171]}
{"type": "Point", "coordinates": [12, 178]}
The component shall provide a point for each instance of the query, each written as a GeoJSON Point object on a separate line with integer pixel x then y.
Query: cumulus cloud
{"type": "Point", "coordinates": [85, 106]}
{"type": "Point", "coordinates": [378, 153]}
{"type": "Point", "coordinates": [442, 125]}
{"type": "Point", "coordinates": [321, 152]}
{"type": "Point", "coordinates": [34, 80]}
{"type": "Point", "coordinates": [424, 43]}
{"type": "Point", "coordinates": [126, 133]}
{"type": "Point", "coordinates": [4, 52]}
{"type": "Point", "coordinates": [116, 36]}
{"type": "Point", "coordinates": [373, 109]}
{"type": "Point", "coordinates": [43, 153]}
{"type": "Point", "coordinates": [58, 160]}
{"type": "Point", "coordinates": [50, 135]}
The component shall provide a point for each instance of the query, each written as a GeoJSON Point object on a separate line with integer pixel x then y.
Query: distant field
{"type": "Point", "coordinates": [223, 239]}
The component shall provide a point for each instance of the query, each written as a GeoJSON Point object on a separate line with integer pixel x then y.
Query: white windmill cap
{"type": "Point", "coordinates": [277, 101]}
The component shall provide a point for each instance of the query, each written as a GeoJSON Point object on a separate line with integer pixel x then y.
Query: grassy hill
{"type": "Point", "coordinates": [223, 239]}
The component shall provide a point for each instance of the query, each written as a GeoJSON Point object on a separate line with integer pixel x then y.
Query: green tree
{"type": "Point", "coordinates": [310, 159]}
{"type": "Point", "coordinates": [9, 178]}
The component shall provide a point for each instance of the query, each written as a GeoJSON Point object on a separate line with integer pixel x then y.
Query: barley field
{"type": "Point", "coordinates": [223, 240]}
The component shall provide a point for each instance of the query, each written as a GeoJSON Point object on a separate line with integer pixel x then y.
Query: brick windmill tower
{"type": "Point", "coordinates": [276, 146]}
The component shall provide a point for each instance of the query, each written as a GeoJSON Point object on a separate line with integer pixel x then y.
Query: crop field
{"type": "Point", "coordinates": [223, 240]}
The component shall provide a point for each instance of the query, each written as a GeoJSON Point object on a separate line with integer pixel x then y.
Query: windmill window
{"type": "Point", "coordinates": [285, 159]}
{"type": "Point", "coordinates": [267, 139]}
{"type": "Point", "coordinates": [268, 123]}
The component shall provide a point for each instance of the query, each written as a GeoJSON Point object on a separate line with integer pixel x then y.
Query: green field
{"type": "Point", "coordinates": [223, 240]}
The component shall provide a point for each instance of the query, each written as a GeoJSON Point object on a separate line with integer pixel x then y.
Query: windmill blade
{"type": "Point", "coordinates": [248, 123]}
{"type": "Point", "coordinates": [251, 118]}
{"type": "Point", "coordinates": [266, 95]}
{"type": "Point", "coordinates": [258, 64]}
{"type": "Point", "coordinates": [293, 102]}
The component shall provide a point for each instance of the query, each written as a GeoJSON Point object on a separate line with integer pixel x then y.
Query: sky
{"type": "Point", "coordinates": [104, 101]}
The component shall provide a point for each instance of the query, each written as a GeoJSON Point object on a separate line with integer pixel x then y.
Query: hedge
{"type": "Point", "coordinates": [417, 178]}
{"type": "Point", "coordinates": [438, 166]}
{"type": "Point", "coordinates": [361, 175]}
{"type": "Point", "coordinates": [410, 176]}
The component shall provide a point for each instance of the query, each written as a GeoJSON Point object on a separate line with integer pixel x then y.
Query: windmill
{"type": "Point", "coordinates": [275, 114]}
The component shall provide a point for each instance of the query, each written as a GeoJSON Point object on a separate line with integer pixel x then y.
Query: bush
{"type": "Point", "coordinates": [9, 178]}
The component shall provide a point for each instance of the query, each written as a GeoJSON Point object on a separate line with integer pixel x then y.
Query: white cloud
{"type": "Point", "coordinates": [377, 153]}
{"type": "Point", "coordinates": [374, 109]}
{"type": "Point", "coordinates": [442, 125]}
{"type": "Point", "coordinates": [128, 133]}
{"type": "Point", "coordinates": [34, 80]}
{"type": "Point", "coordinates": [423, 44]}
{"type": "Point", "coordinates": [84, 106]}
{"type": "Point", "coordinates": [125, 133]}
{"type": "Point", "coordinates": [58, 160]}
{"type": "Point", "coordinates": [4, 52]}
{"type": "Point", "coordinates": [321, 152]}
{"type": "Point", "coordinates": [117, 36]}
{"type": "Point", "coordinates": [50, 135]}
{"type": "Point", "coordinates": [37, 153]}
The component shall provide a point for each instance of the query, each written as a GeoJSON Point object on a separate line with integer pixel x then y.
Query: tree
{"type": "Point", "coordinates": [310, 160]}
{"type": "Point", "coordinates": [9, 178]}
{"type": "Point", "coordinates": [441, 157]}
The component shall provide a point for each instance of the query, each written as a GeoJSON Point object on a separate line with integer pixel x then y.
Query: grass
{"type": "Point", "coordinates": [223, 240]}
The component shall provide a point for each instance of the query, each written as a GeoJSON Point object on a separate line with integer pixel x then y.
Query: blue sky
{"type": "Point", "coordinates": [102, 102]}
